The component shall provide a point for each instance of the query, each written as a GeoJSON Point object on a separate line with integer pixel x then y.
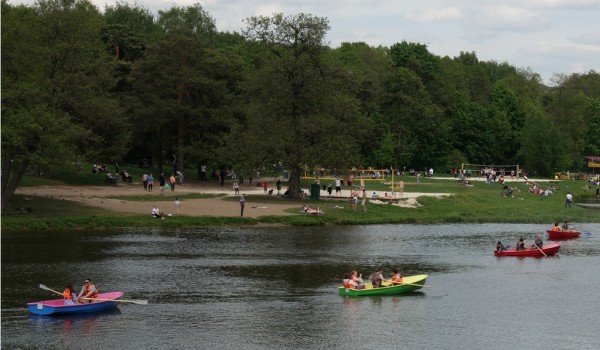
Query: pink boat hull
{"type": "Point", "coordinates": [58, 307]}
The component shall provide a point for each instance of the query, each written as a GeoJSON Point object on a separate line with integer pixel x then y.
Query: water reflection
{"type": "Point", "coordinates": [276, 288]}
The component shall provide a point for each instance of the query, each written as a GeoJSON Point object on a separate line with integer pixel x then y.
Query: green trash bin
{"type": "Point", "coordinates": [315, 191]}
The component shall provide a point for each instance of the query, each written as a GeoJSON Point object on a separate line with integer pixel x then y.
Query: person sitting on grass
{"type": "Point", "coordinates": [156, 213]}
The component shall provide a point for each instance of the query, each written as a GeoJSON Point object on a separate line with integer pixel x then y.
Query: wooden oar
{"type": "Point", "coordinates": [139, 302]}
{"type": "Point", "coordinates": [538, 248]}
{"type": "Point", "coordinates": [52, 290]}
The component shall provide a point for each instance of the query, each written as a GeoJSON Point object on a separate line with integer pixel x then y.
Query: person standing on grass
{"type": "Point", "coordinates": [568, 200]}
{"type": "Point", "coordinates": [364, 200]}
{"type": "Point", "coordinates": [177, 204]}
{"type": "Point", "coordinates": [242, 204]}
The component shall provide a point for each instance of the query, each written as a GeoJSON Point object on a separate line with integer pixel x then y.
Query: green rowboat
{"type": "Point", "coordinates": [410, 283]}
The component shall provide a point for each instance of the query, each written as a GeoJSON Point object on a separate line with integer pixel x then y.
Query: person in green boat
{"type": "Point", "coordinates": [396, 276]}
{"type": "Point", "coordinates": [377, 278]}
{"type": "Point", "coordinates": [352, 281]}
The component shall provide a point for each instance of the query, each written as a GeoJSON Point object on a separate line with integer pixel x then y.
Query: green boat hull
{"type": "Point", "coordinates": [416, 282]}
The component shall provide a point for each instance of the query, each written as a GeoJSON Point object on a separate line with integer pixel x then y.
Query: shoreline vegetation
{"type": "Point", "coordinates": [480, 203]}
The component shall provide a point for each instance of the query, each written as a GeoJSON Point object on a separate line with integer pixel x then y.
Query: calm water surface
{"type": "Point", "coordinates": [276, 288]}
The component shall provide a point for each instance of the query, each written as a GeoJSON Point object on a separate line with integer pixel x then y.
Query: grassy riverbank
{"type": "Point", "coordinates": [478, 204]}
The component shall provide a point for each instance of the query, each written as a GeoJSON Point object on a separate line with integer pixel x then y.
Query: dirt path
{"type": "Point", "coordinates": [97, 196]}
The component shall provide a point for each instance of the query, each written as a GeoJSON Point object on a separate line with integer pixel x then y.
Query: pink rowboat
{"type": "Point", "coordinates": [557, 235]}
{"type": "Point", "coordinates": [548, 249]}
{"type": "Point", "coordinates": [58, 307]}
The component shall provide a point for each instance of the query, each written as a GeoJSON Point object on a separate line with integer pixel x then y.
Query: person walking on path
{"type": "Point", "coordinates": [569, 200]}
{"type": "Point", "coordinates": [161, 181]}
{"type": "Point", "coordinates": [145, 181]}
{"type": "Point", "coordinates": [242, 204]}
{"type": "Point", "coordinates": [150, 182]}
{"type": "Point", "coordinates": [236, 188]}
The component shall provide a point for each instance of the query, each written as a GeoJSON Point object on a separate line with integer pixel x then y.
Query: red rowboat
{"type": "Point", "coordinates": [556, 235]}
{"type": "Point", "coordinates": [548, 249]}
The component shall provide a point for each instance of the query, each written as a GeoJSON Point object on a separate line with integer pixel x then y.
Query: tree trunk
{"type": "Point", "coordinates": [10, 185]}
{"type": "Point", "coordinates": [294, 183]}
{"type": "Point", "coordinates": [180, 130]}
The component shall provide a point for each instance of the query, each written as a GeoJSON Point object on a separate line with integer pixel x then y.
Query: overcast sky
{"type": "Point", "coordinates": [547, 36]}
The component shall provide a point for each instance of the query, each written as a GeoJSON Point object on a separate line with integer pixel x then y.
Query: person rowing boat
{"type": "Point", "coordinates": [87, 291]}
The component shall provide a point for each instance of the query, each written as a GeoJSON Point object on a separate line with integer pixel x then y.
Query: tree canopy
{"type": "Point", "coordinates": [123, 84]}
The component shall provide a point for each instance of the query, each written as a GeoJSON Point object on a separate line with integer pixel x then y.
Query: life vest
{"type": "Point", "coordinates": [67, 294]}
{"type": "Point", "coordinates": [86, 290]}
{"type": "Point", "coordinates": [355, 279]}
{"type": "Point", "coordinates": [397, 278]}
{"type": "Point", "coordinates": [346, 283]}
{"type": "Point", "coordinates": [556, 228]}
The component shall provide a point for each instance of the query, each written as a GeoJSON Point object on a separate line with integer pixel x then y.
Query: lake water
{"type": "Point", "coordinates": [276, 288]}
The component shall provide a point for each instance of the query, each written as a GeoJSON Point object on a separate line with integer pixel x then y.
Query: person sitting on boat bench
{"type": "Point", "coordinates": [520, 244]}
{"type": "Point", "coordinates": [396, 277]}
{"type": "Point", "coordinates": [356, 280]}
{"type": "Point", "coordinates": [70, 295]}
{"type": "Point", "coordinates": [376, 278]}
{"type": "Point", "coordinates": [538, 242]}
{"type": "Point", "coordinates": [500, 247]}
{"type": "Point", "coordinates": [351, 284]}
{"type": "Point", "coordinates": [556, 227]}
{"type": "Point", "coordinates": [87, 291]}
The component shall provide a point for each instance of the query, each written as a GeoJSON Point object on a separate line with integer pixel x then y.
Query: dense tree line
{"type": "Point", "coordinates": [125, 84]}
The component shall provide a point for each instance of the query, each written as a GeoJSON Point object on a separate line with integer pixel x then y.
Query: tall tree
{"type": "Point", "coordinates": [183, 84]}
{"type": "Point", "coordinates": [54, 85]}
{"type": "Point", "coordinates": [312, 119]}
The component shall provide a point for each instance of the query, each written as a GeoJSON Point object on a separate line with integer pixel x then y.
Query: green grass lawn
{"type": "Point", "coordinates": [477, 204]}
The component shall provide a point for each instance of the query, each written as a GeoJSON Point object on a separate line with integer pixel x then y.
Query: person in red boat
{"type": "Point", "coordinates": [556, 227]}
{"type": "Point", "coordinates": [88, 291]}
